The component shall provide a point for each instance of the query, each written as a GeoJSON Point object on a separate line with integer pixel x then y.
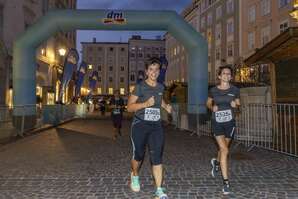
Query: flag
{"type": "Point", "coordinates": [163, 69]}
{"type": "Point", "coordinates": [80, 78]}
{"type": "Point", "coordinates": [70, 65]}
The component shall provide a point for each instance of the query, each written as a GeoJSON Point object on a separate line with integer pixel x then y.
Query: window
{"type": "Point", "coordinates": [110, 79]}
{"type": "Point", "coordinates": [251, 40]}
{"type": "Point", "coordinates": [209, 37]}
{"type": "Point", "coordinates": [99, 79]}
{"type": "Point", "coordinates": [283, 26]}
{"type": "Point", "coordinates": [121, 79]}
{"type": "Point", "coordinates": [283, 3]}
{"type": "Point", "coordinates": [122, 91]}
{"type": "Point", "coordinates": [132, 77]}
{"type": "Point", "coordinates": [122, 49]}
{"type": "Point", "coordinates": [217, 53]}
{"type": "Point", "coordinates": [99, 67]}
{"type": "Point", "coordinates": [90, 49]}
{"type": "Point", "coordinates": [209, 2]}
{"type": "Point", "coordinates": [203, 22]}
{"type": "Point", "coordinates": [90, 59]}
{"type": "Point", "coordinates": [230, 26]}
{"type": "Point", "coordinates": [110, 68]}
{"type": "Point", "coordinates": [265, 7]}
{"type": "Point", "coordinates": [148, 55]}
{"type": "Point", "coordinates": [252, 14]}
{"type": "Point", "coordinates": [1, 21]}
{"type": "Point", "coordinates": [111, 49]}
{"type": "Point", "coordinates": [140, 55]}
{"type": "Point", "coordinates": [99, 48]}
{"type": "Point", "coordinates": [230, 50]}
{"type": "Point", "coordinates": [132, 54]}
{"type": "Point", "coordinates": [265, 35]}
{"type": "Point", "coordinates": [230, 6]}
{"type": "Point", "coordinates": [110, 91]}
{"type": "Point", "coordinates": [99, 91]}
{"type": "Point", "coordinates": [209, 19]}
{"type": "Point", "coordinates": [122, 68]}
{"type": "Point", "coordinates": [218, 32]}
{"type": "Point", "coordinates": [218, 12]}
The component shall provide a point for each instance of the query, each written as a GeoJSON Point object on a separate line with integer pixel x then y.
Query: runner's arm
{"type": "Point", "coordinates": [133, 106]}
{"type": "Point", "coordinates": [209, 103]}
{"type": "Point", "coordinates": [166, 106]}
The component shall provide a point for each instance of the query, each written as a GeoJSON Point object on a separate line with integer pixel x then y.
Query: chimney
{"type": "Point", "coordinates": [94, 40]}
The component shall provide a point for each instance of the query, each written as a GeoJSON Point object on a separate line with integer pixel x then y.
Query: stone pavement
{"type": "Point", "coordinates": [80, 160]}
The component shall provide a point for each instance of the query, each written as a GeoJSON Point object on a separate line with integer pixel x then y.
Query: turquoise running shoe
{"type": "Point", "coordinates": [134, 183]}
{"type": "Point", "coordinates": [160, 194]}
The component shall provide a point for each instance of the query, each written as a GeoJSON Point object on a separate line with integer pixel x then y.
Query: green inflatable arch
{"type": "Point", "coordinates": [24, 54]}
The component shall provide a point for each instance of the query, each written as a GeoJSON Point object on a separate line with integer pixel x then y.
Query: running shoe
{"type": "Point", "coordinates": [215, 167]}
{"type": "Point", "coordinates": [160, 194]}
{"type": "Point", "coordinates": [226, 188]}
{"type": "Point", "coordinates": [134, 183]}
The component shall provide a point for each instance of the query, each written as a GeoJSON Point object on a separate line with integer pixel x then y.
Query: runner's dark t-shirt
{"type": "Point", "coordinates": [223, 98]}
{"type": "Point", "coordinates": [144, 92]}
{"type": "Point", "coordinates": [119, 104]}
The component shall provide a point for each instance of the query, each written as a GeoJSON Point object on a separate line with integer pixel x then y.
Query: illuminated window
{"type": "Point", "coordinates": [57, 90]}
{"type": "Point", "coordinates": [131, 88]}
{"type": "Point", "coordinates": [50, 98]}
{"type": "Point", "coordinates": [122, 91]}
{"type": "Point", "coordinates": [110, 91]}
{"type": "Point", "coordinates": [9, 98]}
{"type": "Point", "coordinates": [90, 66]}
{"type": "Point", "coordinates": [39, 91]}
{"type": "Point", "coordinates": [99, 91]}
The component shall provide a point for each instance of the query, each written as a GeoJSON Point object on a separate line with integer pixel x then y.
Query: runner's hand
{"type": "Point", "coordinates": [233, 104]}
{"type": "Point", "coordinates": [169, 108]}
{"type": "Point", "coordinates": [150, 102]}
{"type": "Point", "coordinates": [214, 108]}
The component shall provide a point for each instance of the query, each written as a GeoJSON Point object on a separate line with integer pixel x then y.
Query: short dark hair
{"type": "Point", "coordinates": [221, 68]}
{"type": "Point", "coordinates": [152, 61]}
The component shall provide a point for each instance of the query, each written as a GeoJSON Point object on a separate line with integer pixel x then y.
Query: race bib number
{"type": "Point", "coordinates": [116, 111]}
{"type": "Point", "coordinates": [152, 114]}
{"type": "Point", "coordinates": [223, 116]}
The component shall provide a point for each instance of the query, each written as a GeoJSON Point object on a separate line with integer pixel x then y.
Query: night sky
{"type": "Point", "coordinates": [116, 36]}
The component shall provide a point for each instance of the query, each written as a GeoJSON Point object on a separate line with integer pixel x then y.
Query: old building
{"type": "Point", "coordinates": [15, 17]}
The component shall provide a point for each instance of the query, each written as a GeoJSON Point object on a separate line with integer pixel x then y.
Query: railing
{"type": "Point", "coordinates": [16, 120]}
{"type": "Point", "coordinates": [273, 127]}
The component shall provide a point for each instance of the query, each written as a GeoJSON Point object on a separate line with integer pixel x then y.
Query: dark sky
{"type": "Point", "coordinates": [86, 36]}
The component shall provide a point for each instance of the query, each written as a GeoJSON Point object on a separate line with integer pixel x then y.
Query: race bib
{"type": "Point", "coordinates": [223, 116]}
{"type": "Point", "coordinates": [152, 114]}
{"type": "Point", "coordinates": [116, 111]}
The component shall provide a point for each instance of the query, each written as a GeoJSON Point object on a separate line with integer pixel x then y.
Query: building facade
{"type": "Point", "coordinates": [175, 51]}
{"type": "Point", "coordinates": [234, 30]}
{"type": "Point", "coordinates": [110, 60]}
{"type": "Point", "coordinates": [261, 21]}
{"type": "Point", "coordinates": [119, 65]}
{"type": "Point", "coordinates": [15, 17]}
{"type": "Point", "coordinates": [140, 50]}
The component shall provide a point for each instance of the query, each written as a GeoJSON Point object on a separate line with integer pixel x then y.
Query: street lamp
{"type": "Point", "coordinates": [62, 51]}
{"type": "Point", "coordinates": [294, 12]}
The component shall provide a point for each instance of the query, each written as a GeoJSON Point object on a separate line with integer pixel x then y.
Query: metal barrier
{"type": "Point", "coordinates": [12, 125]}
{"type": "Point", "coordinates": [272, 127]}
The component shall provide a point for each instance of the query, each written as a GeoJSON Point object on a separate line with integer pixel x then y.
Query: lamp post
{"type": "Point", "coordinates": [62, 51]}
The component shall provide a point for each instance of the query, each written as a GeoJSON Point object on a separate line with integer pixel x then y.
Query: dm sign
{"type": "Point", "coordinates": [114, 18]}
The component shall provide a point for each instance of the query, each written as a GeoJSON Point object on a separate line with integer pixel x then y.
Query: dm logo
{"type": "Point", "coordinates": [114, 18]}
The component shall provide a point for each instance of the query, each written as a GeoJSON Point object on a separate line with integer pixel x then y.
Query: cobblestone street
{"type": "Point", "coordinates": [80, 160]}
